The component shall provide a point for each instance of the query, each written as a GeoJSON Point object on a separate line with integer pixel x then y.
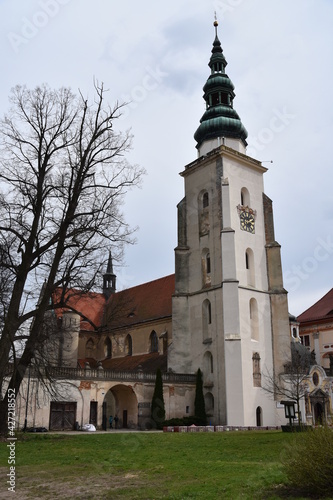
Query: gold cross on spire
{"type": "Point", "coordinates": [215, 23]}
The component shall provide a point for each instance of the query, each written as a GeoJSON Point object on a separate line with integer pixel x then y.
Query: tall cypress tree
{"type": "Point", "coordinates": [199, 402]}
{"type": "Point", "coordinates": [157, 404]}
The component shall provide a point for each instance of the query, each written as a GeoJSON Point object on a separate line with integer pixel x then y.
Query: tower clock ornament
{"type": "Point", "coordinates": [247, 217]}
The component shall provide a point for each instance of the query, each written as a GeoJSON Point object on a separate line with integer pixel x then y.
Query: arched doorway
{"type": "Point", "coordinates": [258, 416]}
{"type": "Point", "coordinates": [122, 402]}
{"type": "Point", "coordinates": [209, 406]}
{"type": "Point", "coordinates": [319, 403]}
{"type": "Point", "coordinates": [318, 413]}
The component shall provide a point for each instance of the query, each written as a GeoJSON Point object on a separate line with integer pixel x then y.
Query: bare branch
{"type": "Point", "coordinates": [63, 178]}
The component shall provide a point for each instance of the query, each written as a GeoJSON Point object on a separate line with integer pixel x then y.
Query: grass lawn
{"type": "Point", "coordinates": [228, 465]}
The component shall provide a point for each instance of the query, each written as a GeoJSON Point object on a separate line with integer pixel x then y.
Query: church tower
{"type": "Point", "coordinates": [230, 313]}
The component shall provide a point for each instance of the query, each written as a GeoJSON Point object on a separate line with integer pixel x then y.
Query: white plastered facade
{"type": "Point", "coordinates": [237, 287]}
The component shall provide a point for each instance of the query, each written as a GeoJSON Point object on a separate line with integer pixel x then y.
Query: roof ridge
{"type": "Point", "coordinates": [322, 299]}
{"type": "Point", "coordinates": [146, 283]}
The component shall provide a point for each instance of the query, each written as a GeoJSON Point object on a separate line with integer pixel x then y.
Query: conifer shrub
{"type": "Point", "coordinates": [308, 462]}
{"type": "Point", "coordinates": [157, 404]}
{"type": "Point", "coordinates": [199, 402]}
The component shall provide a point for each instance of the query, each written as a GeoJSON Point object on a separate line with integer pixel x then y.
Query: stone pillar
{"type": "Point", "coordinates": [317, 347]}
{"type": "Point", "coordinates": [231, 315]}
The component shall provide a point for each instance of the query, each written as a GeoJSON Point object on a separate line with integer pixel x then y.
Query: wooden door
{"type": "Point", "coordinates": [125, 419]}
{"type": "Point", "coordinates": [93, 413]}
{"type": "Point", "coordinates": [62, 416]}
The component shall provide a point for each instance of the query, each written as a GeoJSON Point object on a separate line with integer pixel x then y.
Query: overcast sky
{"type": "Point", "coordinates": [155, 55]}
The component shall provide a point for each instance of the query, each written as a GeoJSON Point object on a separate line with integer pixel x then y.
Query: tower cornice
{"type": "Point", "coordinates": [223, 151]}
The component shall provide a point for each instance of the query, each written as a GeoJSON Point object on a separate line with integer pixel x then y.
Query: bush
{"type": "Point", "coordinates": [184, 421]}
{"type": "Point", "coordinates": [308, 462]}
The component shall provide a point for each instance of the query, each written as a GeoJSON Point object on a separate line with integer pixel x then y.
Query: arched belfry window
{"type": "Point", "coordinates": [209, 403]}
{"type": "Point", "coordinates": [206, 319]}
{"type": "Point", "coordinates": [245, 197]}
{"type": "Point", "coordinates": [208, 312]}
{"type": "Point", "coordinates": [208, 363]}
{"type": "Point", "coordinates": [108, 348]}
{"type": "Point", "coordinates": [128, 345]}
{"type": "Point", "coordinates": [153, 340]}
{"type": "Point", "coordinates": [249, 264]}
{"type": "Point", "coordinates": [205, 200]}
{"type": "Point", "coordinates": [206, 267]}
{"type": "Point", "coordinates": [203, 213]}
{"type": "Point", "coordinates": [254, 319]}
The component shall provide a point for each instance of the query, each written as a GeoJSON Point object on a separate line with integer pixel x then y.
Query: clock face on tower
{"type": "Point", "coordinates": [247, 221]}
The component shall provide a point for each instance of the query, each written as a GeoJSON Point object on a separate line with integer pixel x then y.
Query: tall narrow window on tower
{"type": "Point", "coordinates": [254, 319]}
{"type": "Point", "coordinates": [208, 263]}
{"type": "Point", "coordinates": [208, 364]}
{"type": "Point", "coordinates": [203, 205]}
{"type": "Point", "coordinates": [206, 319]}
{"type": "Point", "coordinates": [205, 200]}
{"type": "Point", "coordinates": [206, 267]}
{"type": "Point", "coordinates": [249, 264]}
{"type": "Point", "coordinates": [245, 197]}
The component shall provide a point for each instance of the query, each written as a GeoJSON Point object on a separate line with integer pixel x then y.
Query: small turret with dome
{"type": "Point", "coordinates": [220, 123]}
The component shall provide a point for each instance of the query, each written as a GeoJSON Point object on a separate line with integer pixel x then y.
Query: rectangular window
{"type": "Point", "coordinates": [306, 340]}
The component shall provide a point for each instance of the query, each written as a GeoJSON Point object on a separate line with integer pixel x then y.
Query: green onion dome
{"type": "Point", "coordinates": [220, 119]}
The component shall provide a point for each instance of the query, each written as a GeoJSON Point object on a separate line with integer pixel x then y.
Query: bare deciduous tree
{"type": "Point", "coordinates": [290, 384]}
{"type": "Point", "coordinates": [63, 177]}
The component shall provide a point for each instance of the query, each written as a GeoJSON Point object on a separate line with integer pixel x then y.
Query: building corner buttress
{"type": "Point", "coordinates": [278, 295]}
{"type": "Point", "coordinates": [182, 251]}
{"type": "Point", "coordinates": [273, 249]}
{"type": "Point", "coordinates": [179, 352]}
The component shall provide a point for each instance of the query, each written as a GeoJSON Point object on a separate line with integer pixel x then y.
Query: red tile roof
{"type": "Point", "coordinates": [149, 301]}
{"type": "Point", "coordinates": [147, 362]}
{"type": "Point", "coordinates": [320, 310]}
{"type": "Point", "coordinates": [89, 304]}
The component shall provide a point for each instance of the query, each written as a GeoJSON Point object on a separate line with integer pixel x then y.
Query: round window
{"type": "Point", "coordinates": [315, 378]}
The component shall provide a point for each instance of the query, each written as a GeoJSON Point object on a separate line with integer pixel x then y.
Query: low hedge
{"type": "Point", "coordinates": [187, 421]}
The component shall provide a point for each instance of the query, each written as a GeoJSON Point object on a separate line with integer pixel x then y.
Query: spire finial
{"type": "Point", "coordinates": [109, 267]}
{"type": "Point", "coordinates": [215, 23]}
